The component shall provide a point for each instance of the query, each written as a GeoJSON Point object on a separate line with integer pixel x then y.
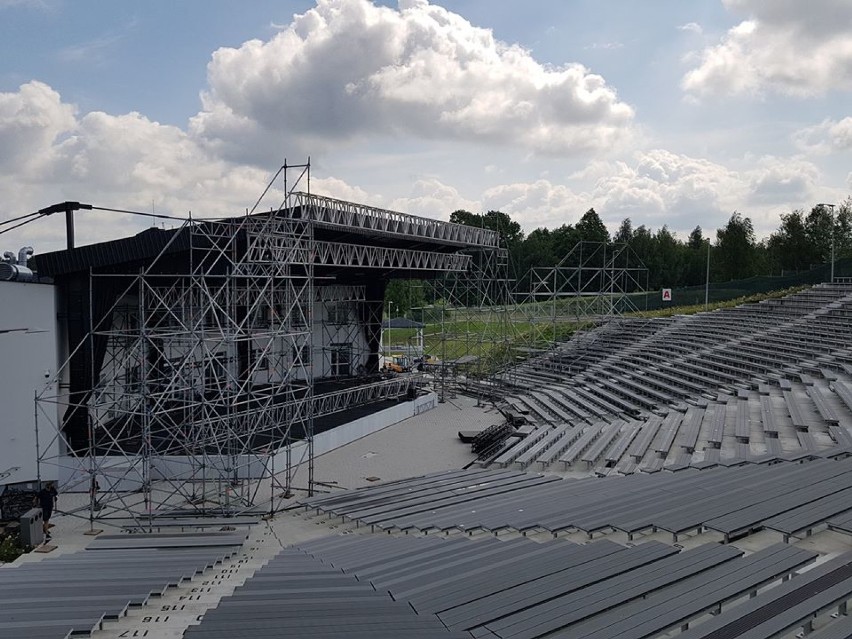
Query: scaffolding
{"type": "Point", "coordinates": [469, 328]}
{"type": "Point", "coordinates": [205, 375]}
{"type": "Point", "coordinates": [594, 283]}
{"type": "Point", "coordinates": [204, 370]}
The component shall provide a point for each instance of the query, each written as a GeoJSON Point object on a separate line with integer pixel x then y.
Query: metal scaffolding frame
{"type": "Point", "coordinates": [593, 283]}
{"type": "Point", "coordinates": [204, 376]}
{"type": "Point", "coordinates": [210, 369]}
{"type": "Point", "coordinates": [470, 326]}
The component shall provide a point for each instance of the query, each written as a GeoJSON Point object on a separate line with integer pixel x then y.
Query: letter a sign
{"type": "Point", "coordinates": [667, 295]}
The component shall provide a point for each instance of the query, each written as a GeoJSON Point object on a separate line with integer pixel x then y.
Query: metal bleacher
{"type": "Point", "coordinates": [793, 351]}
{"type": "Point", "coordinates": [72, 594]}
{"type": "Point", "coordinates": [385, 586]}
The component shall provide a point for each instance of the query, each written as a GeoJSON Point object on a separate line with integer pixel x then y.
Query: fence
{"type": "Point", "coordinates": [723, 291]}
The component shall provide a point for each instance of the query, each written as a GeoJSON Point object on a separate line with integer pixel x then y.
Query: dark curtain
{"type": "Point", "coordinates": [88, 350]}
{"type": "Point", "coordinates": [371, 318]}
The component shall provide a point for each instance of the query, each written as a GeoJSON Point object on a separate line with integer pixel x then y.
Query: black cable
{"type": "Point", "coordinates": [12, 228]}
{"type": "Point", "coordinates": [141, 213]}
{"type": "Point", "coordinates": [20, 217]}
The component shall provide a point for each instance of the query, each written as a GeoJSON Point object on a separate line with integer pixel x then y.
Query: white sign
{"type": "Point", "coordinates": [667, 295]}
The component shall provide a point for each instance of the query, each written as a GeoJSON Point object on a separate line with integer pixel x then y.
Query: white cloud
{"type": "Point", "coordinates": [781, 181]}
{"type": "Point", "coordinates": [692, 27]}
{"type": "Point", "coordinates": [430, 197]}
{"type": "Point", "coordinates": [348, 69]}
{"type": "Point", "coordinates": [125, 161]}
{"type": "Point", "coordinates": [30, 122]}
{"type": "Point", "coordinates": [784, 46]}
{"type": "Point", "coordinates": [828, 136]}
{"type": "Point", "coordinates": [537, 204]}
{"type": "Point", "coordinates": [662, 187]}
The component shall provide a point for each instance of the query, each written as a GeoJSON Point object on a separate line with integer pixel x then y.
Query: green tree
{"type": "Point", "coordinates": [669, 260]}
{"type": "Point", "coordinates": [790, 248]}
{"type": "Point", "coordinates": [736, 251]}
{"type": "Point", "coordinates": [591, 228]}
{"type": "Point", "coordinates": [564, 239]}
{"type": "Point", "coordinates": [695, 270]}
{"type": "Point", "coordinates": [404, 295]}
{"type": "Point", "coordinates": [509, 230]}
{"type": "Point", "coordinates": [536, 250]}
{"type": "Point", "coordinates": [843, 229]}
{"type": "Point", "coordinates": [624, 233]}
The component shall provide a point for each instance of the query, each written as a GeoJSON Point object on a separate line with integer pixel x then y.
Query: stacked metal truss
{"type": "Point", "coordinates": [470, 329]}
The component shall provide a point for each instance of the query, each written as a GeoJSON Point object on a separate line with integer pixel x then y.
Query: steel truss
{"type": "Point", "coordinates": [593, 283]}
{"type": "Point", "coordinates": [205, 399]}
{"type": "Point", "coordinates": [328, 212]}
{"type": "Point", "coordinates": [469, 330]}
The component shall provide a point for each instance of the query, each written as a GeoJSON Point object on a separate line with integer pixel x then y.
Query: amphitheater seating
{"type": "Point", "coordinates": [698, 374]}
{"type": "Point", "coordinates": [73, 594]}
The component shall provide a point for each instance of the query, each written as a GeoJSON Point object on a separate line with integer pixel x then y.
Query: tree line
{"type": "Point", "coordinates": [802, 239]}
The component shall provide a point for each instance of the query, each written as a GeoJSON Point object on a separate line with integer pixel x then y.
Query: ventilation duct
{"type": "Point", "coordinates": [15, 273]}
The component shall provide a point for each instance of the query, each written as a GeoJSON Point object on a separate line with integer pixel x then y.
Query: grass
{"type": "Point", "coordinates": [495, 340]}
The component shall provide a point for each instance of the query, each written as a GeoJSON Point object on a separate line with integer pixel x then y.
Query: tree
{"type": "Point", "coordinates": [695, 268]}
{"type": "Point", "coordinates": [696, 239]}
{"type": "Point", "coordinates": [510, 231]}
{"type": "Point", "coordinates": [819, 228]}
{"type": "Point", "coordinates": [590, 228]}
{"type": "Point", "coordinates": [843, 229]}
{"type": "Point", "coordinates": [735, 249]}
{"type": "Point", "coordinates": [564, 239]}
{"type": "Point", "coordinates": [404, 295]}
{"type": "Point", "coordinates": [624, 233]}
{"type": "Point", "coordinates": [535, 250]}
{"type": "Point", "coordinates": [669, 263]}
{"type": "Point", "coordinates": [790, 247]}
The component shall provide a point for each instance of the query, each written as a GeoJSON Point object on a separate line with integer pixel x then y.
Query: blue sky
{"type": "Point", "coordinates": [667, 112]}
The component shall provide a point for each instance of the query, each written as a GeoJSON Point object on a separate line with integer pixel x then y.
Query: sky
{"type": "Point", "coordinates": [667, 112]}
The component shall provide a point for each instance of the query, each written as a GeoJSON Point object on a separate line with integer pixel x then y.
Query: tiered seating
{"type": "Point", "coordinates": [513, 587]}
{"type": "Point", "coordinates": [296, 595]}
{"type": "Point", "coordinates": [491, 588]}
{"type": "Point", "coordinates": [698, 373]}
{"type": "Point", "coordinates": [75, 593]}
{"type": "Point", "coordinates": [789, 498]}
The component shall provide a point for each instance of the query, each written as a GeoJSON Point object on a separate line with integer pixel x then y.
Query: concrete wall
{"type": "Point", "coordinates": [119, 474]}
{"type": "Point", "coordinates": [354, 430]}
{"type": "Point", "coordinates": [27, 363]}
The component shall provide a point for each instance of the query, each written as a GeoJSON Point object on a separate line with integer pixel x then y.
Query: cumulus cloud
{"type": "Point", "coordinates": [430, 197]}
{"type": "Point", "coordinates": [537, 204]}
{"type": "Point", "coordinates": [30, 122]}
{"type": "Point", "coordinates": [668, 188]}
{"type": "Point", "coordinates": [828, 136]}
{"type": "Point", "coordinates": [785, 46]}
{"type": "Point", "coordinates": [692, 27]}
{"type": "Point", "coordinates": [779, 181]}
{"type": "Point", "coordinates": [347, 69]}
{"type": "Point", "coordinates": [51, 154]}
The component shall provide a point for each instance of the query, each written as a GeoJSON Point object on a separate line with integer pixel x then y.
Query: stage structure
{"type": "Point", "coordinates": [593, 283]}
{"type": "Point", "coordinates": [203, 361]}
{"type": "Point", "coordinates": [469, 328]}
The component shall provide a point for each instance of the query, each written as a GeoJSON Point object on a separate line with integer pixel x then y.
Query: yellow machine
{"type": "Point", "coordinates": [398, 364]}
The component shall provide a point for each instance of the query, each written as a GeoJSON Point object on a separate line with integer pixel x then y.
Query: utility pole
{"type": "Point", "coordinates": [830, 207]}
{"type": "Point", "coordinates": [707, 279]}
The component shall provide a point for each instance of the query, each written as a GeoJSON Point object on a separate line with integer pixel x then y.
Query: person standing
{"type": "Point", "coordinates": [46, 499]}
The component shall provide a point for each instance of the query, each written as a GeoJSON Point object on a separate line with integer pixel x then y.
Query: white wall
{"type": "Point", "coordinates": [27, 358]}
